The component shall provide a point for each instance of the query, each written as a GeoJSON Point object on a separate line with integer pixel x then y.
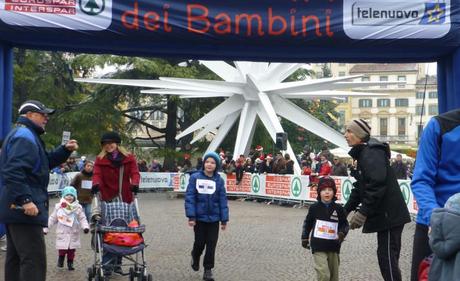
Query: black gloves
{"type": "Point", "coordinates": [86, 230]}
{"type": "Point", "coordinates": [306, 243]}
{"type": "Point", "coordinates": [341, 237]}
{"type": "Point", "coordinates": [135, 188]}
{"type": "Point", "coordinates": [95, 189]}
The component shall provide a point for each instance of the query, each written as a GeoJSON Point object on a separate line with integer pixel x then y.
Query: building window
{"type": "Point", "coordinates": [433, 95]}
{"type": "Point", "coordinates": [419, 95]}
{"type": "Point", "coordinates": [401, 126]}
{"type": "Point", "coordinates": [402, 102]}
{"type": "Point", "coordinates": [419, 130]}
{"type": "Point", "coordinates": [383, 103]}
{"type": "Point", "coordinates": [341, 73]}
{"type": "Point", "coordinates": [383, 79]}
{"type": "Point", "coordinates": [342, 64]}
{"type": "Point", "coordinates": [419, 110]}
{"type": "Point", "coordinates": [402, 79]}
{"type": "Point", "coordinates": [433, 109]}
{"type": "Point", "coordinates": [365, 79]}
{"type": "Point", "coordinates": [383, 126]}
{"type": "Point", "coordinates": [365, 103]}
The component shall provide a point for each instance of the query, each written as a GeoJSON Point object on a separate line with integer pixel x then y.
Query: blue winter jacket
{"type": "Point", "coordinates": [445, 243]}
{"type": "Point", "coordinates": [206, 198]}
{"type": "Point", "coordinates": [24, 173]}
{"type": "Point", "coordinates": [437, 167]}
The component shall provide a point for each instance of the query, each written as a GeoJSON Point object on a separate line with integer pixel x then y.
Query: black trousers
{"type": "Point", "coordinates": [206, 235]}
{"type": "Point", "coordinates": [388, 250]}
{"type": "Point", "coordinates": [239, 171]}
{"type": "Point", "coordinates": [26, 253]}
{"type": "Point", "coordinates": [420, 250]}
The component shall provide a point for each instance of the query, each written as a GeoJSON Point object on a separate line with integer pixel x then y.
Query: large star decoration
{"type": "Point", "coordinates": [252, 89]}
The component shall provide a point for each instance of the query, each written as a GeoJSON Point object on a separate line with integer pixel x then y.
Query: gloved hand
{"type": "Point", "coordinates": [86, 230]}
{"type": "Point", "coordinates": [306, 244]}
{"type": "Point", "coordinates": [357, 220]}
{"type": "Point", "coordinates": [95, 189]}
{"type": "Point", "coordinates": [135, 188]}
{"type": "Point", "coordinates": [341, 237]}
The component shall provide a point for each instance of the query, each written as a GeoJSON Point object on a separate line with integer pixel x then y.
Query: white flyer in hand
{"type": "Point", "coordinates": [86, 184]}
{"type": "Point", "coordinates": [326, 230]}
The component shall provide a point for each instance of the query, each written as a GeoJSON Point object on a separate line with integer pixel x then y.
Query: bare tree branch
{"type": "Point", "coordinates": [160, 130]}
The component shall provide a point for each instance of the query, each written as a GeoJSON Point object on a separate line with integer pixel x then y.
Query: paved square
{"type": "Point", "coordinates": [262, 243]}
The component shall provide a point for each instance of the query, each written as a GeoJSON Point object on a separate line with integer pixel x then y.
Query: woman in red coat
{"type": "Point", "coordinates": [107, 170]}
{"type": "Point", "coordinates": [106, 181]}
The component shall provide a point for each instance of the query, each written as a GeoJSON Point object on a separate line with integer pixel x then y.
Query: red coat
{"type": "Point", "coordinates": [106, 176]}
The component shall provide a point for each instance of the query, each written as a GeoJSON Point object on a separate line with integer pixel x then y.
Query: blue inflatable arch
{"type": "Point", "coordinates": [260, 30]}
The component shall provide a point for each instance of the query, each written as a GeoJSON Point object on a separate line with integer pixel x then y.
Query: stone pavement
{"type": "Point", "coordinates": [262, 242]}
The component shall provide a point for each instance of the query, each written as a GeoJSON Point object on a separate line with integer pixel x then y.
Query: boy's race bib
{"type": "Point", "coordinates": [326, 230]}
{"type": "Point", "coordinates": [205, 186]}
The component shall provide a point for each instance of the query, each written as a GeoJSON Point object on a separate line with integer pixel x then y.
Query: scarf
{"type": "Point", "coordinates": [116, 158]}
{"type": "Point", "coordinates": [66, 212]}
{"type": "Point", "coordinates": [90, 174]}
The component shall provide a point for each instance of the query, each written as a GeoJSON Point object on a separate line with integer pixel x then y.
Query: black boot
{"type": "Point", "coordinates": [60, 261]}
{"type": "Point", "coordinates": [70, 265]}
{"type": "Point", "coordinates": [207, 275]}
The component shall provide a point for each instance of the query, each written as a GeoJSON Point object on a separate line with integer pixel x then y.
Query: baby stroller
{"type": "Point", "coordinates": [117, 230]}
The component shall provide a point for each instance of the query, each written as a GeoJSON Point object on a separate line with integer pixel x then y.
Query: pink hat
{"type": "Point", "coordinates": [259, 148]}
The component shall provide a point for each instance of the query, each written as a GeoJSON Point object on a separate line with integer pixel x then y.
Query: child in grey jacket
{"type": "Point", "coordinates": [445, 241]}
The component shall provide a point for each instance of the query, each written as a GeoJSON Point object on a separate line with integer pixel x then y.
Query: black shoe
{"type": "Point", "coordinates": [207, 275]}
{"type": "Point", "coordinates": [60, 261]}
{"type": "Point", "coordinates": [70, 265]}
{"type": "Point", "coordinates": [118, 270]}
{"type": "Point", "coordinates": [195, 263]}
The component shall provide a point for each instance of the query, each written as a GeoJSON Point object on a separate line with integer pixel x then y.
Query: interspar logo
{"type": "Point", "coordinates": [396, 20]}
{"type": "Point", "coordinates": [70, 14]}
{"type": "Point", "coordinates": [66, 7]}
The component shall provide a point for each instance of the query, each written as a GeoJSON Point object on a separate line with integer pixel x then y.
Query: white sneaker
{"type": "Point", "coordinates": [3, 248]}
{"type": "Point", "coordinates": [3, 238]}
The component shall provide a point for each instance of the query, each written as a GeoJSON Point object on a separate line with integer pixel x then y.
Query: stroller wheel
{"type": "Point", "coordinates": [149, 277]}
{"type": "Point", "coordinates": [132, 274]}
{"type": "Point", "coordinates": [99, 276]}
{"type": "Point", "coordinates": [90, 273]}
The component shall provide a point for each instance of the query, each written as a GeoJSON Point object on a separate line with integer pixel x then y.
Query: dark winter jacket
{"type": "Point", "coordinates": [206, 198]}
{"type": "Point", "coordinates": [326, 212]}
{"type": "Point", "coordinates": [436, 172]}
{"type": "Point", "coordinates": [106, 175]}
{"type": "Point", "coordinates": [445, 243]}
{"type": "Point", "coordinates": [24, 172]}
{"type": "Point", "coordinates": [400, 170]}
{"type": "Point", "coordinates": [376, 188]}
{"type": "Point", "coordinates": [339, 170]}
{"type": "Point", "coordinates": [84, 195]}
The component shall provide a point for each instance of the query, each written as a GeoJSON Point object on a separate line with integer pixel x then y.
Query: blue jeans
{"type": "Point", "coordinates": [87, 210]}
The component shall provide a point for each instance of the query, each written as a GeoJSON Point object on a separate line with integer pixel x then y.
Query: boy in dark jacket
{"type": "Point", "coordinates": [327, 221]}
{"type": "Point", "coordinates": [445, 241]}
{"type": "Point", "coordinates": [206, 206]}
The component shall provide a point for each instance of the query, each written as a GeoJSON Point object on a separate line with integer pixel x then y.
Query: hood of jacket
{"type": "Point", "coordinates": [372, 143]}
{"type": "Point", "coordinates": [445, 233]}
{"type": "Point", "coordinates": [30, 124]}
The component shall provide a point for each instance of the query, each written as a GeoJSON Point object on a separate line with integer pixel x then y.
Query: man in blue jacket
{"type": "Point", "coordinates": [436, 177]}
{"type": "Point", "coordinates": [24, 176]}
{"type": "Point", "coordinates": [206, 206]}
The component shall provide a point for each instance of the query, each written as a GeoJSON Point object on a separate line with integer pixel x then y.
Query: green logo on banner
{"type": "Point", "coordinates": [183, 183]}
{"type": "Point", "coordinates": [296, 187]}
{"type": "Point", "coordinates": [405, 190]}
{"type": "Point", "coordinates": [255, 184]}
{"type": "Point", "coordinates": [347, 186]}
{"type": "Point", "coordinates": [92, 7]}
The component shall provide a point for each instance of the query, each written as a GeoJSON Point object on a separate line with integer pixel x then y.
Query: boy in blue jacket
{"type": "Point", "coordinates": [328, 225]}
{"type": "Point", "coordinates": [206, 206]}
